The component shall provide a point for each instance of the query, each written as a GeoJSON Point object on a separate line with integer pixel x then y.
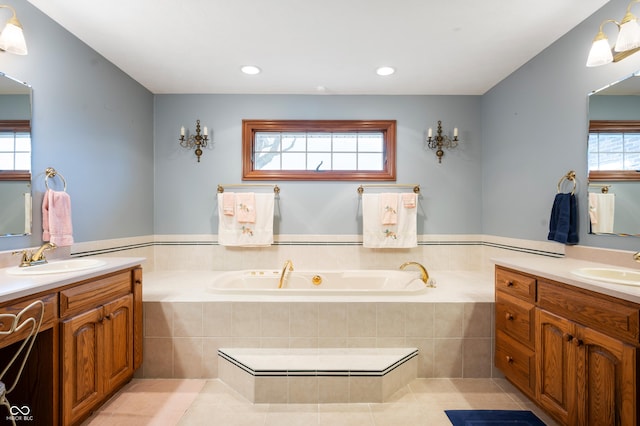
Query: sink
{"type": "Point", "coordinates": [57, 267]}
{"type": "Point", "coordinates": [612, 275]}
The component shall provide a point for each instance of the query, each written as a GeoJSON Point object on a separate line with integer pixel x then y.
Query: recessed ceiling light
{"type": "Point", "coordinates": [385, 71]}
{"type": "Point", "coordinates": [250, 69]}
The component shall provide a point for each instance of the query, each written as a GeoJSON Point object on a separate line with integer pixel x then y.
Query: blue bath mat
{"type": "Point", "coordinates": [493, 418]}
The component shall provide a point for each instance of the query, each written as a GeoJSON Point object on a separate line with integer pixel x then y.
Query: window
{"type": "Point", "coordinates": [15, 150]}
{"type": "Point", "coordinates": [318, 149]}
{"type": "Point", "coordinates": [614, 150]}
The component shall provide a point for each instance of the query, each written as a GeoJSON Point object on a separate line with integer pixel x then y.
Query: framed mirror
{"type": "Point", "coordinates": [613, 154]}
{"type": "Point", "coordinates": [15, 157]}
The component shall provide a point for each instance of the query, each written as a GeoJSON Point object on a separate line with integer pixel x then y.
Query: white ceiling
{"type": "Point", "coordinates": [439, 47]}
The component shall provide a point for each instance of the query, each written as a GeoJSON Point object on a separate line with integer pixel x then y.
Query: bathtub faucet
{"type": "Point", "coordinates": [423, 271]}
{"type": "Point", "coordinates": [288, 267]}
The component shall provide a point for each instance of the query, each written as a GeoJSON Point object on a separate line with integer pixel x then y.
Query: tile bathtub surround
{"type": "Point", "coordinates": [181, 339]}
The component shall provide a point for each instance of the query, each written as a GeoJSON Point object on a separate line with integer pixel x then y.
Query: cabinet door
{"type": "Point", "coordinates": [556, 364]}
{"type": "Point", "coordinates": [118, 342]}
{"type": "Point", "coordinates": [606, 390]}
{"type": "Point", "coordinates": [81, 382]}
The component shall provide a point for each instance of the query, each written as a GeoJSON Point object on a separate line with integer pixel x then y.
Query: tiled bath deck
{"type": "Point", "coordinates": [317, 375]}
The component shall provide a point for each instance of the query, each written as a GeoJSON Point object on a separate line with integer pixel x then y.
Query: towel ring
{"type": "Point", "coordinates": [50, 172]}
{"type": "Point", "coordinates": [571, 175]}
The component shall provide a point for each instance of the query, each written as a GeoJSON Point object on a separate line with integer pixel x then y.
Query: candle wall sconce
{"type": "Point", "coordinates": [197, 141]}
{"type": "Point", "coordinates": [441, 141]}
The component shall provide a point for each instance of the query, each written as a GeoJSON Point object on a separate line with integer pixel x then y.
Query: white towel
{"type": "Point", "coordinates": [258, 234]}
{"type": "Point", "coordinates": [375, 235]}
{"type": "Point", "coordinates": [601, 212]}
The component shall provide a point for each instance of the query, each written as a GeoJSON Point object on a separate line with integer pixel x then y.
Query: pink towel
{"type": "Point", "coordinates": [246, 207]}
{"type": "Point", "coordinates": [56, 218]}
{"type": "Point", "coordinates": [409, 200]}
{"type": "Point", "coordinates": [389, 208]}
{"type": "Point", "coordinates": [228, 203]}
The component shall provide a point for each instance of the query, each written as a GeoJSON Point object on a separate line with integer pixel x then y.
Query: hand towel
{"type": "Point", "coordinates": [388, 204]}
{"type": "Point", "coordinates": [563, 224]}
{"type": "Point", "coordinates": [375, 235]}
{"type": "Point", "coordinates": [246, 207]}
{"type": "Point", "coordinates": [229, 203]}
{"type": "Point", "coordinates": [56, 218]}
{"type": "Point", "coordinates": [601, 212]}
{"type": "Point", "coordinates": [408, 200]}
{"type": "Point", "coordinates": [258, 234]}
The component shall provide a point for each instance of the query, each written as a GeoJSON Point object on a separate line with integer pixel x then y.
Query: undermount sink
{"type": "Point", "coordinates": [612, 275]}
{"type": "Point", "coordinates": [57, 267]}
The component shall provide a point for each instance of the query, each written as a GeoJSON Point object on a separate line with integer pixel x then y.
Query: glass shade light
{"type": "Point", "coordinates": [600, 53]}
{"type": "Point", "coordinates": [629, 35]}
{"type": "Point", "coordinates": [12, 38]}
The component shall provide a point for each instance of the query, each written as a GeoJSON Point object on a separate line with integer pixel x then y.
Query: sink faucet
{"type": "Point", "coordinates": [288, 266]}
{"type": "Point", "coordinates": [29, 259]}
{"type": "Point", "coordinates": [423, 272]}
{"type": "Point", "coordinates": [636, 257]}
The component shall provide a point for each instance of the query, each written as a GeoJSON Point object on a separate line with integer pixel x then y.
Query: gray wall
{"type": "Point", "coordinates": [534, 130]}
{"type": "Point", "coordinates": [185, 189]}
{"type": "Point", "coordinates": [91, 122]}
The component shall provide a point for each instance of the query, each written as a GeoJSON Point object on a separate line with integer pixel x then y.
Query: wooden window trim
{"type": "Point", "coordinates": [15, 126]}
{"type": "Point", "coordinates": [613, 175]}
{"type": "Point", "coordinates": [387, 127]}
{"type": "Point", "coordinates": [15, 175]}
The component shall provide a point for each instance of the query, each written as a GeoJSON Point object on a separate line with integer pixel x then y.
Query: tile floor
{"type": "Point", "coordinates": [192, 402]}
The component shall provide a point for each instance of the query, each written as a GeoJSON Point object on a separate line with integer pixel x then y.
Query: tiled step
{"type": "Point", "coordinates": [338, 375]}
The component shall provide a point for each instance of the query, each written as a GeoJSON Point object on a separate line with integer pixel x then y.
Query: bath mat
{"type": "Point", "coordinates": [493, 418]}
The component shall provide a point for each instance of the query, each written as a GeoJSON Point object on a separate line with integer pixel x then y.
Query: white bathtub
{"type": "Point", "coordinates": [322, 282]}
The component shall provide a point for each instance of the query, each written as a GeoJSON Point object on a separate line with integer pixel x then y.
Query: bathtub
{"type": "Point", "coordinates": [320, 282]}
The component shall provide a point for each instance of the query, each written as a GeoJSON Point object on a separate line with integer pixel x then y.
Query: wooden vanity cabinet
{"type": "Point", "coordinates": [97, 335]}
{"type": "Point", "coordinates": [585, 353]}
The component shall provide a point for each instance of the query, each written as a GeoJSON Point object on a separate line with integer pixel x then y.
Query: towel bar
{"type": "Point", "coordinates": [416, 187]}
{"type": "Point", "coordinates": [221, 187]}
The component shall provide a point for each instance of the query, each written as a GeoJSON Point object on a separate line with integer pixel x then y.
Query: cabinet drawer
{"type": "Point", "coordinates": [516, 318]}
{"type": "Point", "coordinates": [517, 362]}
{"type": "Point", "coordinates": [516, 284]}
{"type": "Point", "coordinates": [48, 320]}
{"type": "Point", "coordinates": [611, 316]}
{"type": "Point", "coordinates": [94, 293]}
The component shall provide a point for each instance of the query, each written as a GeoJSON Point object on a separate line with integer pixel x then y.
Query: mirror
{"type": "Point", "coordinates": [613, 158]}
{"type": "Point", "coordinates": [15, 157]}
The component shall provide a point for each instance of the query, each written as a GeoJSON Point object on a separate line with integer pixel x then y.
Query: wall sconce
{"type": "Point", "coordinates": [627, 43]}
{"type": "Point", "coordinates": [441, 141]}
{"type": "Point", "coordinates": [198, 140]}
{"type": "Point", "coordinates": [12, 38]}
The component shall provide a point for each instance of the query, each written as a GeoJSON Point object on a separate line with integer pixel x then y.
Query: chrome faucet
{"type": "Point", "coordinates": [288, 267]}
{"type": "Point", "coordinates": [37, 258]}
{"type": "Point", "coordinates": [423, 272]}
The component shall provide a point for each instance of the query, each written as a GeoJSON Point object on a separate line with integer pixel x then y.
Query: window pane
{"type": "Point", "coordinates": [593, 142]}
{"type": "Point", "coordinates": [6, 142]}
{"type": "Point", "coordinates": [611, 161]}
{"type": "Point", "coordinates": [6, 161]}
{"type": "Point", "coordinates": [611, 142]}
{"type": "Point", "coordinates": [23, 142]}
{"type": "Point", "coordinates": [345, 161]}
{"type": "Point", "coordinates": [632, 161]}
{"type": "Point", "coordinates": [267, 141]}
{"type": "Point", "coordinates": [319, 142]}
{"type": "Point", "coordinates": [370, 142]}
{"type": "Point", "coordinates": [294, 142]}
{"type": "Point", "coordinates": [267, 161]}
{"type": "Point", "coordinates": [345, 142]}
{"type": "Point", "coordinates": [293, 161]}
{"type": "Point", "coordinates": [23, 161]}
{"type": "Point", "coordinates": [370, 162]}
{"type": "Point", "coordinates": [319, 161]}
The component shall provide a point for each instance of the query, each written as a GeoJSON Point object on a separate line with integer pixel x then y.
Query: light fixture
{"type": "Point", "coordinates": [441, 141]}
{"type": "Point", "coordinates": [627, 42]}
{"type": "Point", "coordinates": [12, 38]}
{"type": "Point", "coordinates": [385, 71]}
{"type": "Point", "coordinates": [250, 69]}
{"type": "Point", "coordinates": [197, 141]}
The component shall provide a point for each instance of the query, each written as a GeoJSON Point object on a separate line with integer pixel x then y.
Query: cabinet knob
{"type": "Point", "coordinates": [509, 359]}
{"type": "Point", "coordinates": [567, 337]}
{"type": "Point", "coordinates": [509, 283]}
{"type": "Point", "coordinates": [577, 342]}
{"type": "Point", "coordinates": [508, 316]}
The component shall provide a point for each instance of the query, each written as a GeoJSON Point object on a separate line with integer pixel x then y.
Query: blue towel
{"type": "Point", "coordinates": [563, 225]}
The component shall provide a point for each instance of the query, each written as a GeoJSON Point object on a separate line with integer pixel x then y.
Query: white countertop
{"type": "Point", "coordinates": [16, 286]}
{"type": "Point", "coordinates": [559, 269]}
